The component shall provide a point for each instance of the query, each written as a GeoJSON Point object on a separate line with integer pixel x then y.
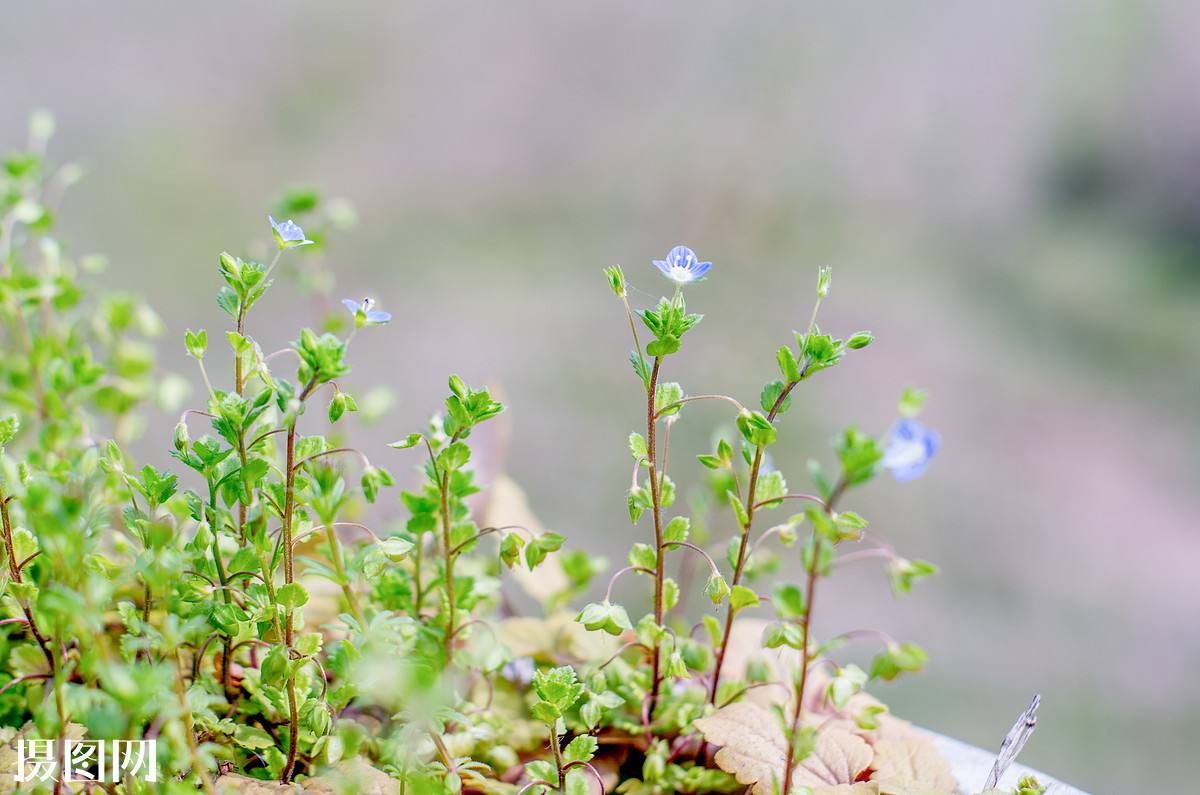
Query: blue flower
{"type": "Point", "coordinates": [288, 234]}
{"type": "Point", "coordinates": [681, 266]}
{"type": "Point", "coordinates": [909, 447]}
{"type": "Point", "coordinates": [520, 670]}
{"type": "Point", "coordinates": [363, 313]}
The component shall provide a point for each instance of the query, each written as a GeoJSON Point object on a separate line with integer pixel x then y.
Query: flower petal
{"type": "Point", "coordinates": [682, 257]}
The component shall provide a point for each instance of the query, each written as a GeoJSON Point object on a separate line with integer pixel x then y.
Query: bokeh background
{"type": "Point", "coordinates": [1009, 194]}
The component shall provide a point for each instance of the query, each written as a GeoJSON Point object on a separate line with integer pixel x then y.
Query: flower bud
{"type": "Point", "coordinates": [860, 340]}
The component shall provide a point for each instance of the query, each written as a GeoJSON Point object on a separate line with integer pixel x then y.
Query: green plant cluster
{"type": "Point", "coordinates": [247, 609]}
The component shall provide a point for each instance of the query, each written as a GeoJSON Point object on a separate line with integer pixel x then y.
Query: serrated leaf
{"type": "Point", "coordinates": [677, 529]}
{"type": "Point", "coordinates": [754, 750]}
{"type": "Point", "coordinates": [911, 765]}
{"type": "Point", "coordinates": [741, 596]}
{"type": "Point", "coordinates": [581, 749]}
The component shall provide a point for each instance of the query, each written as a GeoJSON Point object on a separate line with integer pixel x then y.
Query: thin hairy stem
{"type": "Point", "coordinates": [656, 501]}
{"type": "Point", "coordinates": [692, 398]}
{"type": "Point", "coordinates": [805, 635]}
{"type": "Point", "coordinates": [743, 551]}
{"type": "Point", "coordinates": [451, 607]}
{"type": "Point", "coordinates": [289, 574]}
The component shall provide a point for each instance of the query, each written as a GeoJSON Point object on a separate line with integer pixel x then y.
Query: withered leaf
{"type": "Point", "coordinates": [753, 749]}
{"type": "Point", "coordinates": [911, 766]}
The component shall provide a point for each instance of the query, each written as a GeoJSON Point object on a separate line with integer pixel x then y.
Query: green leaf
{"type": "Point", "coordinates": [236, 341]}
{"type": "Point", "coordinates": [789, 368]}
{"type": "Point", "coordinates": [677, 529]}
{"type": "Point", "coordinates": [784, 633]}
{"type": "Point", "coordinates": [667, 395]}
{"type": "Point", "coordinates": [911, 401]}
{"type": "Point", "coordinates": [741, 597]}
{"type": "Point", "coordinates": [8, 429]}
{"type": "Point", "coordinates": [545, 713]}
{"type": "Point", "coordinates": [395, 548]}
{"type": "Point", "coordinates": [409, 441]}
{"type": "Point", "coordinates": [789, 601]}
{"type": "Point", "coordinates": [308, 643]}
{"type": "Point", "coordinates": [643, 555]}
{"type": "Point", "coordinates": [739, 510]}
{"type": "Point", "coordinates": [253, 738]}
{"type": "Point", "coordinates": [581, 749]}
{"type": "Point", "coordinates": [273, 669]}
{"type": "Point", "coordinates": [770, 487]}
{"type": "Point", "coordinates": [849, 680]}
{"type": "Point", "coordinates": [850, 519]}
{"type": "Point", "coordinates": [897, 659]}
{"type": "Point", "coordinates": [540, 547]}
{"type": "Point", "coordinates": [454, 457]}
{"type": "Point", "coordinates": [663, 346]}
{"type": "Point", "coordinates": [903, 572]}
{"type": "Point", "coordinates": [24, 545]}
{"type": "Point", "coordinates": [771, 395]}
{"type": "Point", "coordinates": [670, 593]}
{"type": "Point", "coordinates": [292, 595]}
{"type": "Point", "coordinates": [637, 447]}
{"type": "Point", "coordinates": [558, 686]}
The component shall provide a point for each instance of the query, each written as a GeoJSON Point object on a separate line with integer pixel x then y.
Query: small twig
{"type": "Point", "coordinates": [611, 582]}
{"type": "Point", "coordinates": [679, 403]}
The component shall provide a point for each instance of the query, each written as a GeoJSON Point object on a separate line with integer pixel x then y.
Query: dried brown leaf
{"type": "Point", "coordinates": [911, 766]}
{"type": "Point", "coordinates": [507, 505]}
{"type": "Point", "coordinates": [352, 776]}
{"type": "Point", "coordinates": [234, 784]}
{"type": "Point", "coordinates": [753, 749]}
{"type": "Point", "coordinates": [838, 758]}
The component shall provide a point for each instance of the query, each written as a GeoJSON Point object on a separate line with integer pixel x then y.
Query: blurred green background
{"type": "Point", "coordinates": [1009, 195]}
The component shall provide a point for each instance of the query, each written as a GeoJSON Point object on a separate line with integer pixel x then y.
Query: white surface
{"type": "Point", "coordinates": [972, 765]}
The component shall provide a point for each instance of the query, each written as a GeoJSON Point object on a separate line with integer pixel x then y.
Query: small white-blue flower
{"type": "Point", "coordinates": [364, 314]}
{"type": "Point", "coordinates": [908, 449]}
{"type": "Point", "coordinates": [520, 671]}
{"type": "Point", "coordinates": [288, 234]}
{"type": "Point", "coordinates": [682, 266]}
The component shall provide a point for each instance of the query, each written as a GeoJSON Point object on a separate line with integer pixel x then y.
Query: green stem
{"type": "Point", "coordinates": [188, 729]}
{"type": "Point", "coordinates": [339, 568]}
{"type": "Point", "coordinates": [226, 662]}
{"type": "Point", "coordinates": [444, 490]}
{"type": "Point", "coordinates": [289, 573]}
{"type": "Point", "coordinates": [743, 554]}
{"type": "Point", "coordinates": [558, 760]}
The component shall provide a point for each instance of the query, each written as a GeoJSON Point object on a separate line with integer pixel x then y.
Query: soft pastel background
{"type": "Point", "coordinates": [1009, 194]}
